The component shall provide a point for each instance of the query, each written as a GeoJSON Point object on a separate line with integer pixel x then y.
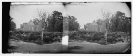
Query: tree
{"type": "Point", "coordinates": [120, 22]}
{"type": "Point", "coordinates": [36, 21]}
{"type": "Point", "coordinates": [127, 24]}
{"type": "Point", "coordinates": [42, 15]}
{"type": "Point", "coordinates": [106, 16]}
{"type": "Point", "coordinates": [117, 23]}
{"type": "Point", "coordinates": [55, 22]}
{"type": "Point", "coordinates": [13, 25]}
{"type": "Point", "coordinates": [73, 24]}
{"type": "Point", "coordinates": [57, 16]}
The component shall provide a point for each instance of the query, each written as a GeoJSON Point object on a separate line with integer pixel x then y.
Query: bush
{"type": "Point", "coordinates": [52, 37]}
{"type": "Point", "coordinates": [34, 36]}
{"type": "Point", "coordinates": [97, 36]}
{"type": "Point", "coordinates": [48, 37]}
{"type": "Point", "coordinates": [86, 36]}
{"type": "Point", "coordinates": [111, 40]}
{"type": "Point", "coordinates": [114, 37]}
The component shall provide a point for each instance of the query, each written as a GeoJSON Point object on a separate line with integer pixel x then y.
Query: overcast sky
{"type": "Point", "coordinates": [85, 12]}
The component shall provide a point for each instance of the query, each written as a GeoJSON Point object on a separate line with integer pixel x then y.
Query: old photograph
{"type": "Point", "coordinates": [70, 27]}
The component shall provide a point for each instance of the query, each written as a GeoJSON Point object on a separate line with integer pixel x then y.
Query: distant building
{"type": "Point", "coordinates": [30, 26]}
{"type": "Point", "coordinates": [95, 27]}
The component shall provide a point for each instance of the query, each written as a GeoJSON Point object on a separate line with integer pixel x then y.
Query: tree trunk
{"type": "Point", "coordinates": [106, 36]}
{"type": "Point", "coordinates": [42, 37]}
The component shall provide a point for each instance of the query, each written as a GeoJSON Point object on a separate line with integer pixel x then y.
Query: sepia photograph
{"type": "Point", "coordinates": [68, 27]}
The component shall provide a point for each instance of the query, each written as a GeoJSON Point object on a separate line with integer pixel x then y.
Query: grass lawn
{"type": "Point", "coordinates": [87, 47]}
{"type": "Point", "coordinates": [25, 47]}
{"type": "Point", "coordinates": [74, 47]}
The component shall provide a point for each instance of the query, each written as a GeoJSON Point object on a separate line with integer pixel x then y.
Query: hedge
{"type": "Point", "coordinates": [48, 37]}
{"type": "Point", "coordinates": [112, 37]}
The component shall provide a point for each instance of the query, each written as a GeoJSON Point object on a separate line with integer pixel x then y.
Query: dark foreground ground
{"type": "Point", "coordinates": [74, 47]}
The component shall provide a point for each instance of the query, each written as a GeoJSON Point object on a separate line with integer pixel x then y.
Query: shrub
{"type": "Point", "coordinates": [114, 37]}
{"type": "Point", "coordinates": [35, 37]}
{"type": "Point", "coordinates": [52, 37]}
{"type": "Point", "coordinates": [86, 36]}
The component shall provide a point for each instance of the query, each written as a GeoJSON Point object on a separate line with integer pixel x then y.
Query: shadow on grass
{"type": "Point", "coordinates": [60, 51]}
{"type": "Point", "coordinates": [74, 47]}
{"type": "Point", "coordinates": [12, 47]}
{"type": "Point", "coordinates": [45, 52]}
